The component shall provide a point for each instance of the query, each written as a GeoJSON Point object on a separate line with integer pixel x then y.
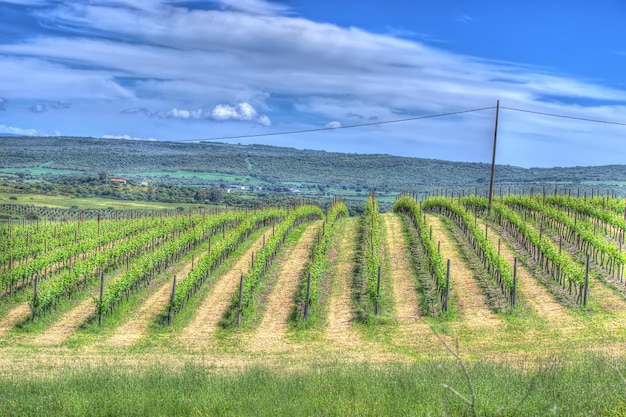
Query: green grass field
{"type": "Point", "coordinates": [585, 387]}
{"type": "Point", "coordinates": [40, 171]}
{"type": "Point", "coordinates": [87, 203]}
{"type": "Point", "coordinates": [207, 176]}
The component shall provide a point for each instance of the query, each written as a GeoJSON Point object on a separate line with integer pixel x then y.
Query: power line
{"type": "Point", "coordinates": [565, 117]}
{"type": "Point", "coordinates": [321, 129]}
{"type": "Point", "coordinates": [431, 116]}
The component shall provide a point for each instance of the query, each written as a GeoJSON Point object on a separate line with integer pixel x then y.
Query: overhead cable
{"type": "Point", "coordinates": [609, 122]}
{"type": "Point", "coordinates": [321, 129]}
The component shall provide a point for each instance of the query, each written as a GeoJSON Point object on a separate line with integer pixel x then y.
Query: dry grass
{"type": "Point", "coordinates": [15, 315]}
{"type": "Point", "coordinates": [137, 326]}
{"type": "Point", "coordinates": [65, 327]}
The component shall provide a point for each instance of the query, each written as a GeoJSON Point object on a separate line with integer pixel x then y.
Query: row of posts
{"type": "Point", "coordinates": [445, 300]}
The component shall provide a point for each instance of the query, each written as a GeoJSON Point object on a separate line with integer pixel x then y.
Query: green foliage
{"type": "Point", "coordinates": [61, 244]}
{"type": "Point", "coordinates": [616, 205]}
{"type": "Point", "coordinates": [609, 211]}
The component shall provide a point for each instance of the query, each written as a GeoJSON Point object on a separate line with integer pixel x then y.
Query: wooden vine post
{"type": "Point", "coordinates": [586, 290]}
{"type": "Point", "coordinates": [377, 305]}
{"type": "Point", "coordinates": [101, 297]}
{"type": "Point", "coordinates": [514, 290]}
{"type": "Point", "coordinates": [308, 298]}
{"type": "Point", "coordinates": [32, 318]}
{"type": "Point", "coordinates": [170, 318]}
{"type": "Point", "coordinates": [240, 300]}
{"type": "Point", "coordinates": [446, 295]}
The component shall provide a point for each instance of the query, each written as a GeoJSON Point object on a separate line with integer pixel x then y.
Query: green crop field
{"type": "Point", "coordinates": [445, 306]}
{"type": "Point", "coordinates": [92, 203]}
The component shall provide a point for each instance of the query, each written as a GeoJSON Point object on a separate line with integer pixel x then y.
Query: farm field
{"type": "Point", "coordinates": [66, 202]}
{"type": "Point", "coordinates": [280, 295]}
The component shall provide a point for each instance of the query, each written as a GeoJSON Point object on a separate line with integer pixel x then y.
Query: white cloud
{"type": "Point", "coordinates": [221, 112]}
{"type": "Point", "coordinates": [254, 53]}
{"type": "Point", "coordinates": [242, 111]}
{"type": "Point", "coordinates": [263, 120]}
{"type": "Point", "coordinates": [127, 137]}
{"type": "Point", "coordinates": [287, 55]}
{"type": "Point", "coordinates": [53, 81]}
{"type": "Point", "coordinates": [333, 125]}
{"type": "Point", "coordinates": [18, 131]}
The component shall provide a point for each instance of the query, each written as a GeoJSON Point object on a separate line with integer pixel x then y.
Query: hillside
{"type": "Point", "coordinates": [190, 163]}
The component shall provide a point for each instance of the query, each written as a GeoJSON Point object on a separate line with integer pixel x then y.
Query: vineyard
{"type": "Point", "coordinates": [525, 279]}
{"type": "Point", "coordinates": [381, 286]}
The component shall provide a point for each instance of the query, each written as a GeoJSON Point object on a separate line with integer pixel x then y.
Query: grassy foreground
{"type": "Point", "coordinates": [590, 386]}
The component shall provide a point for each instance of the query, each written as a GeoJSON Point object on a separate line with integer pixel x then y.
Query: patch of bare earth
{"type": "Point", "coordinates": [137, 327]}
{"type": "Point", "coordinates": [67, 324]}
{"type": "Point", "coordinates": [209, 314]}
{"type": "Point", "coordinates": [470, 301]}
{"type": "Point", "coordinates": [273, 327]}
{"type": "Point", "coordinates": [340, 330]}
{"type": "Point", "coordinates": [16, 315]}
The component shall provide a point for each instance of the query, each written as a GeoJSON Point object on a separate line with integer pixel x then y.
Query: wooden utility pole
{"type": "Point", "coordinates": [493, 157]}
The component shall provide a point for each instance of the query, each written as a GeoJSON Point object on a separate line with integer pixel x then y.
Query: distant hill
{"type": "Point", "coordinates": [279, 165]}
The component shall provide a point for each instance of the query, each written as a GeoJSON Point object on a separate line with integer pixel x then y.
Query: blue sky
{"type": "Point", "coordinates": [182, 70]}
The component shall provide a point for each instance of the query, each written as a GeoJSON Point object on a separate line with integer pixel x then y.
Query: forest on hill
{"type": "Point", "coordinates": [277, 165]}
{"type": "Point", "coordinates": [211, 173]}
